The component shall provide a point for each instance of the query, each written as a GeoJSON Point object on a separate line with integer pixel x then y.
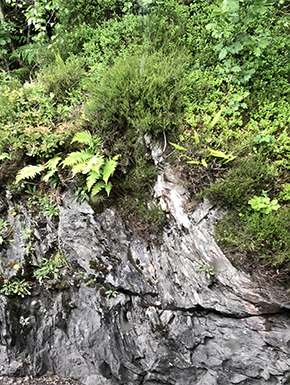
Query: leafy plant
{"type": "Point", "coordinates": [263, 204]}
{"type": "Point", "coordinates": [209, 271]}
{"type": "Point", "coordinates": [285, 193]}
{"type": "Point", "coordinates": [92, 163]}
{"type": "Point", "coordinates": [50, 208]}
{"type": "Point", "coordinates": [28, 240]}
{"type": "Point", "coordinates": [50, 268]}
{"type": "Point", "coordinates": [111, 293]}
{"type": "Point", "coordinates": [31, 171]}
{"type": "Point", "coordinates": [4, 230]}
{"type": "Point", "coordinates": [61, 79]}
{"type": "Point", "coordinates": [17, 286]}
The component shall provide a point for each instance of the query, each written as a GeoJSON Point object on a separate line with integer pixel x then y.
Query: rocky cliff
{"type": "Point", "coordinates": [168, 320]}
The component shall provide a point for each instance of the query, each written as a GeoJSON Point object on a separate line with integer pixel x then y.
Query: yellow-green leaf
{"type": "Point", "coordinates": [109, 168]}
{"type": "Point", "coordinates": [178, 147]}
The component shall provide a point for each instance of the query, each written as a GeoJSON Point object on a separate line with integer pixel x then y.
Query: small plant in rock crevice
{"type": "Point", "coordinates": [17, 286]}
{"type": "Point", "coordinates": [50, 208]}
{"type": "Point", "coordinates": [28, 241]}
{"type": "Point", "coordinates": [208, 271]}
{"type": "Point", "coordinates": [111, 293]}
{"type": "Point", "coordinates": [4, 230]}
{"type": "Point", "coordinates": [50, 267]}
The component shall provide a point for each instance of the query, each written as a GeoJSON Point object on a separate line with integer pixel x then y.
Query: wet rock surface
{"type": "Point", "coordinates": [168, 323]}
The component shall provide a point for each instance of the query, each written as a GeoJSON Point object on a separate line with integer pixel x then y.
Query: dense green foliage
{"type": "Point", "coordinates": [211, 77]}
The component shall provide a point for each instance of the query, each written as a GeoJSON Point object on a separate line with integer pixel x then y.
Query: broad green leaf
{"type": "Point", "coordinates": [218, 154]}
{"type": "Point", "coordinates": [196, 138]}
{"type": "Point", "coordinates": [203, 162]}
{"type": "Point", "coordinates": [178, 147]}
{"type": "Point", "coordinates": [223, 53]}
{"type": "Point", "coordinates": [185, 156]}
{"type": "Point", "coordinates": [29, 172]}
{"type": "Point", "coordinates": [235, 47]}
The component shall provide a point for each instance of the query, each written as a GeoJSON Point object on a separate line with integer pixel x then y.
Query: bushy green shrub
{"type": "Point", "coordinates": [267, 235]}
{"type": "Point", "coordinates": [60, 79]}
{"type": "Point", "coordinates": [142, 93]}
{"type": "Point", "coordinates": [30, 124]}
{"type": "Point", "coordinates": [248, 177]}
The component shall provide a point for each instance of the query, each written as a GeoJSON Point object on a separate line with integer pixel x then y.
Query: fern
{"type": "Point", "coordinates": [77, 157]}
{"type": "Point", "coordinates": [29, 172]}
{"type": "Point", "coordinates": [78, 168]}
{"type": "Point", "coordinates": [108, 188]}
{"type": "Point", "coordinates": [87, 161]}
{"type": "Point", "coordinates": [86, 138]}
{"type": "Point", "coordinates": [97, 188]}
{"type": "Point", "coordinates": [94, 164]}
{"type": "Point", "coordinates": [109, 168]}
{"type": "Point", "coordinates": [92, 178]}
{"type": "Point", "coordinates": [52, 164]}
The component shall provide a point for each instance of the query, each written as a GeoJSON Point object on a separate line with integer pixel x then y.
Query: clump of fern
{"type": "Point", "coordinates": [92, 163]}
{"type": "Point", "coordinates": [88, 161]}
{"type": "Point", "coordinates": [31, 171]}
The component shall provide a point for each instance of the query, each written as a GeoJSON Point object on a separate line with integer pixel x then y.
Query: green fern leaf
{"type": "Point", "coordinates": [109, 168]}
{"type": "Point", "coordinates": [29, 172]}
{"type": "Point", "coordinates": [5, 156]}
{"type": "Point", "coordinates": [77, 157]}
{"type": "Point", "coordinates": [92, 178]}
{"type": "Point", "coordinates": [86, 138]}
{"type": "Point", "coordinates": [97, 188]}
{"type": "Point", "coordinates": [49, 175]}
{"type": "Point", "coordinates": [94, 163]}
{"type": "Point", "coordinates": [51, 164]}
{"type": "Point", "coordinates": [78, 168]}
{"type": "Point", "coordinates": [108, 188]}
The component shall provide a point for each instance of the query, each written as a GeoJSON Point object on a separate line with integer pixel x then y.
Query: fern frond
{"type": "Point", "coordinates": [77, 157]}
{"type": "Point", "coordinates": [49, 175]}
{"type": "Point", "coordinates": [109, 168]}
{"type": "Point", "coordinates": [94, 163]}
{"type": "Point", "coordinates": [108, 188]}
{"type": "Point", "coordinates": [51, 164]}
{"type": "Point", "coordinates": [5, 156]}
{"type": "Point", "coordinates": [78, 168]}
{"type": "Point", "coordinates": [97, 188]}
{"type": "Point", "coordinates": [92, 178]}
{"type": "Point", "coordinates": [29, 172]}
{"type": "Point", "coordinates": [84, 137]}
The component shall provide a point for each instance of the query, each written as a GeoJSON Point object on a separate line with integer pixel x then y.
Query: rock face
{"type": "Point", "coordinates": [169, 323]}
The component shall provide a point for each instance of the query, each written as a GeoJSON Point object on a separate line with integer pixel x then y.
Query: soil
{"type": "Point", "coordinates": [47, 379]}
